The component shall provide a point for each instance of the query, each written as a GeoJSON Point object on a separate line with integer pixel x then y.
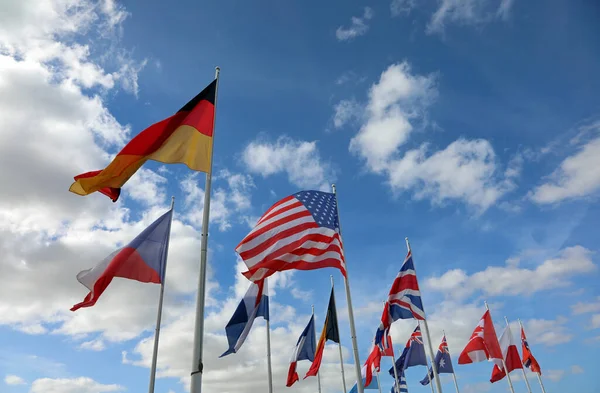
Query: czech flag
{"type": "Point", "coordinates": [144, 260]}
{"type": "Point", "coordinates": [186, 138]}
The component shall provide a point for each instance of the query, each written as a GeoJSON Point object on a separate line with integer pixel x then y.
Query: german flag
{"type": "Point", "coordinates": [186, 138]}
{"type": "Point", "coordinates": [330, 332]}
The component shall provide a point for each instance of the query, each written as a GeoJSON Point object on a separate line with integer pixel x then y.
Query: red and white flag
{"type": "Point", "coordinates": [483, 344]}
{"type": "Point", "coordinates": [511, 356]}
{"type": "Point", "coordinates": [373, 363]}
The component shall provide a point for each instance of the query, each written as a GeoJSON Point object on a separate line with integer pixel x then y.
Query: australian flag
{"type": "Point", "coordinates": [412, 355]}
{"type": "Point", "coordinates": [442, 362]}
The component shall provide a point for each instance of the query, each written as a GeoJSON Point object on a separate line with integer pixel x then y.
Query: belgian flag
{"type": "Point", "coordinates": [330, 332]}
{"type": "Point", "coordinates": [186, 138]}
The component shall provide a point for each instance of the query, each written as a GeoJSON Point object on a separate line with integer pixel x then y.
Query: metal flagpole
{"type": "Point", "coordinates": [427, 366]}
{"type": "Point", "coordinates": [159, 313]}
{"type": "Point", "coordinates": [538, 374]}
{"type": "Point", "coordinates": [378, 380]}
{"type": "Point", "coordinates": [315, 336]}
{"type": "Point", "coordinates": [453, 372]}
{"type": "Point", "coordinates": [197, 365]}
{"type": "Point", "coordinates": [512, 389]}
{"type": "Point", "coordinates": [270, 372]}
{"type": "Point", "coordinates": [340, 343]}
{"type": "Point", "coordinates": [523, 368]}
{"type": "Point", "coordinates": [395, 368]}
{"type": "Point", "coordinates": [359, 383]}
{"type": "Point", "coordinates": [426, 328]}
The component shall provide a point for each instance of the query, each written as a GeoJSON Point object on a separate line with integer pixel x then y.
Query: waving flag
{"type": "Point", "coordinates": [511, 356]}
{"type": "Point", "coordinates": [305, 350]}
{"type": "Point", "coordinates": [483, 344]}
{"type": "Point", "coordinates": [299, 232]}
{"type": "Point", "coordinates": [403, 386]}
{"type": "Point", "coordinates": [330, 332]}
{"type": "Point", "coordinates": [254, 304]}
{"type": "Point", "coordinates": [186, 138]}
{"type": "Point", "coordinates": [372, 385]}
{"type": "Point", "coordinates": [442, 361]}
{"type": "Point", "coordinates": [373, 363]}
{"type": "Point", "coordinates": [413, 353]}
{"type": "Point", "coordinates": [528, 360]}
{"type": "Point", "coordinates": [388, 349]}
{"type": "Point", "coordinates": [144, 260]}
{"type": "Point", "coordinates": [404, 299]}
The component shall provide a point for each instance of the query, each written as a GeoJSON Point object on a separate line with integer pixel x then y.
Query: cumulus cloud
{"type": "Point", "coordinates": [399, 7]}
{"type": "Point", "coordinates": [514, 280]}
{"type": "Point", "coordinates": [466, 170]}
{"type": "Point", "coordinates": [299, 160]}
{"type": "Point", "coordinates": [586, 307]}
{"type": "Point", "coordinates": [576, 177]}
{"type": "Point", "coordinates": [14, 380]}
{"type": "Point", "coordinates": [359, 26]}
{"type": "Point", "coordinates": [72, 385]}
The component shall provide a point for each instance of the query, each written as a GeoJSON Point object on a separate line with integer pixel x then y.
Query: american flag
{"type": "Point", "coordinates": [404, 300]}
{"type": "Point", "coordinates": [300, 231]}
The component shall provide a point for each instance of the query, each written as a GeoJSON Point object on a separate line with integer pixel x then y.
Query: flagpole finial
{"type": "Point", "coordinates": [333, 187]}
{"type": "Point", "coordinates": [486, 305]}
{"type": "Point", "coordinates": [313, 309]}
{"type": "Point", "coordinates": [172, 202]}
{"type": "Point", "coordinates": [506, 319]}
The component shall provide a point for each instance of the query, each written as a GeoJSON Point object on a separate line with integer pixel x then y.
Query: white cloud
{"type": "Point", "coordinates": [398, 7]}
{"type": "Point", "coordinates": [548, 332]}
{"type": "Point", "coordinates": [72, 385]}
{"type": "Point", "coordinates": [577, 369]}
{"type": "Point", "coordinates": [14, 380]}
{"type": "Point", "coordinates": [595, 322]}
{"type": "Point", "coordinates": [93, 345]}
{"type": "Point", "coordinates": [226, 203]}
{"type": "Point", "coordinates": [346, 111]}
{"type": "Point", "coordinates": [300, 160]}
{"type": "Point", "coordinates": [147, 187]}
{"type": "Point", "coordinates": [466, 170]}
{"type": "Point", "coordinates": [513, 280]}
{"type": "Point", "coordinates": [358, 27]}
{"type": "Point", "coordinates": [583, 308]}
{"type": "Point", "coordinates": [555, 375]}
{"type": "Point", "coordinates": [576, 177]}
{"type": "Point", "coordinates": [467, 12]}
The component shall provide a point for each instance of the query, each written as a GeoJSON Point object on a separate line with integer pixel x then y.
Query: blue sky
{"type": "Point", "coordinates": [470, 126]}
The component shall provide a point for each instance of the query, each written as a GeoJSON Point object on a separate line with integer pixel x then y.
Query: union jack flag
{"type": "Point", "coordinates": [300, 232]}
{"type": "Point", "coordinates": [404, 299]}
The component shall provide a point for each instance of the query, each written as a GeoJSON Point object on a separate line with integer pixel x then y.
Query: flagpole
{"type": "Point", "coordinates": [538, 374]}
{"type": "Point", "coordinates": [378, 380]}
{"type": "Point", "coordinates": [270, 372]}
{"type": "Point", "coordinates": [523, 368]}
{"type": "Point", "coordinates": [159, 312]}
{"type": "Point", "coordinates": [394, 362]}
{"type": "Point", "coordinates": [426, 328]}
{"type": "Point", "coordinates": [197, 365]}
{"type": "Point", "coordinates": [315, 337]}
{"type": "Point", "coordinates": [453, 372]}
{"type": "Point", "coordinates": [512, 389]}
{"type": "Point", "coordinates": [359, 383]}
{"type": "Point", "coordinates": [340, 341]}
{"type": "Point", "coordinates": [427, 366]}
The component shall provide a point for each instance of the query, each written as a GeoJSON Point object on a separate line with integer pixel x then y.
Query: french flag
{"type": "Point", "coordinates": [305, 350]}
{"type": "Point", "coordinates": [144, 260]}
{"type": "Point", "coordinates": [254, 304]}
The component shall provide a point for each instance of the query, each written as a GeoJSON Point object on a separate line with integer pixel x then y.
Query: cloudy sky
{"type": "Point", "coordinates": [470, 126]}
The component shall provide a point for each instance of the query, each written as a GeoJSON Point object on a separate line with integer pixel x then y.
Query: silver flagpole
{"type": "Point", "coordinates": [512, 389]}
{"type": "Point", "coordinates": [270, 372]}
{"type": "Point", "coordinates": [315, 336]}
{"type": "Point", "coordinates": [378, 380]}
{"type": "Point", "coordinates": [197, 365]}
{"type": "Point", "coordinates": [159, 313]}
{"type": "Point", "coordinates": [426, 328]}
{"type": "Point", "coordinates": [520, 361]}
{"type": "Point", "coordinates": [453, 372]}
{"type": "Point", "coordinates": [359, 383]}
{"type": "Point", "coordinates": [427, 366]}
{"type": "Point", "coordinates": [538, 374]}
{"type": "Point", "coordinates": [394, 362]}
{"type": "Point", "coordinates": [340, 343]}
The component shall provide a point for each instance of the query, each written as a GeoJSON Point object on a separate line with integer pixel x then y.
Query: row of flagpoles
{"type": "Point", "coordinates": [302, 232]}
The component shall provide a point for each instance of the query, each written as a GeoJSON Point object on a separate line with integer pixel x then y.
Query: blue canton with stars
{"type": "Point", "coordinates": [322, 206]}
